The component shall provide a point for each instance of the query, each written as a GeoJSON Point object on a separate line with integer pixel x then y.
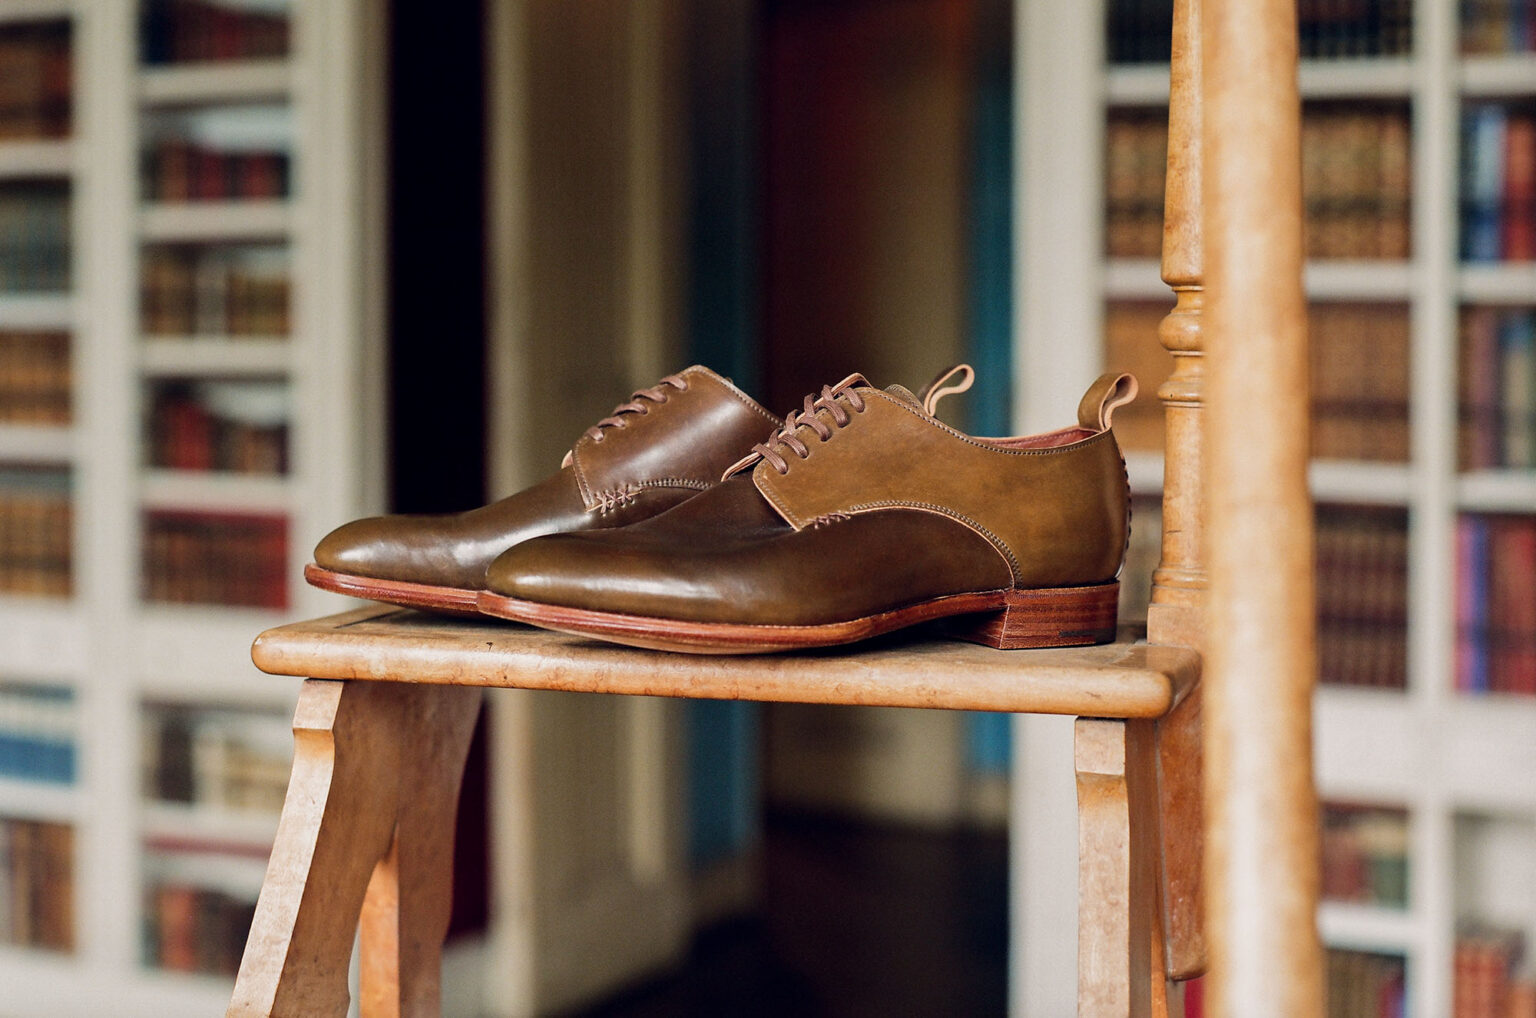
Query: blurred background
{"type": "Point", "coordinates": [270, 265]}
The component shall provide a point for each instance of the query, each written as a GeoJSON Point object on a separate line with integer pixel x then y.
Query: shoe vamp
{"type": "Point", "coordinates": [453, 550]}
{"type": "Point", "coordinates": [759, 574]}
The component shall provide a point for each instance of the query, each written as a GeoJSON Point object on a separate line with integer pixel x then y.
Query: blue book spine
{"type": "Point", "coordinates": [1477, 680]}
{"type": "Point", "coordinates": [1482, 182]}
{"type": "Point", "coordinates": [33, 759]}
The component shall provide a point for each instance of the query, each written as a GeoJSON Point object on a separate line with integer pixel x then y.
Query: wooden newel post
{"type": "Point", "coordinates": [1261, 844]}
{"type": "Point", "coordinates": [1178, 585]}
{"type": "Point", "coordinates": [1176, 615]}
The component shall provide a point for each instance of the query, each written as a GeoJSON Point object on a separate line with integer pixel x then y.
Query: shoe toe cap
{"type": "Point", "coordinates": [414, 549]}
{"type": "Point", "coordinates": [546, 569]}
{"type": "Point", "coordinates": [362, 548]}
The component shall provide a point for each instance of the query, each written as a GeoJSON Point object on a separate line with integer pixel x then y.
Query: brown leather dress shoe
{"type": "Point", "coordinates": [666, 445]}
{"type": "Point", "coordinates": [862, 514]}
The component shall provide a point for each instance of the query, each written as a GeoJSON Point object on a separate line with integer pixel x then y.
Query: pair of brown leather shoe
{"type": "Point", "coordinates": [859, 514]}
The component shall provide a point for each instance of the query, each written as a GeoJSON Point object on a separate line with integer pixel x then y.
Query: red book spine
{"type": "Point", "coordinates": [1520, 187]}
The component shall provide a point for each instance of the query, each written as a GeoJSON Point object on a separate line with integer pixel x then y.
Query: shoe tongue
{"type": "Point", "coordinates": [904, 394]}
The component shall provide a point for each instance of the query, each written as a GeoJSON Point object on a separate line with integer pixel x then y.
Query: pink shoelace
{"type": "Point", "coordinates": [787, 437]}
{"type": "Point", "coordinates": [640, 404]}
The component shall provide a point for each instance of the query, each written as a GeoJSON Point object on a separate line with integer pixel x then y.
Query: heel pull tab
{"type": "Point", "coordinates": [1103, 396]}
{"type": "Point", "coordinates": [941, 386]}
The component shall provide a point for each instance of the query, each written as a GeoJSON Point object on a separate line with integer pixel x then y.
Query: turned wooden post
{"type": "Point", "coordinates": [1261, 844]}
{"type": "Point", "coordinates": [1176, 614]}
{"type": "Point", "coordinates": [1178, 584]}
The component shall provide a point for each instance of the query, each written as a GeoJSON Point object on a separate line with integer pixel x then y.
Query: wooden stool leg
{"type": "Point", "coordinates": [1181, 839]}
{"type": "Point", "coordinates": [337, 821]}
{"type": "Point", "coordinates": [405, 915]}
{"type": "Point", "coordinates": [1119, 938]}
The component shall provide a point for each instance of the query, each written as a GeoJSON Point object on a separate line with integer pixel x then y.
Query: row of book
{"type": "Point", "coordinates": [219, 425]}
{"type": "Point", "coordinates": [1498, 183]}
{"type": "Point", "coordinates": [1362, 596]}
{"type": "Point", "coordinates": [217, 757]}
{"type": "Point", "coordinates": [1135, 171]}
{"type": "Point", "coordinates": [1484, 976]}
{"type": "Point", "coordinates": [177, 31]}
{"type": "Point", "coordinates": [1498, 26]}
{"type": "Point", "coordinates": [1359, 376]}
{"type": "Point", "coordinates": [36, 72]}
{"type": "Point", "coordinates": [1362, 984]}
{"type": "Point", "coordinates": [1139, 30]}
{"type": "Point", "coordinates": [196, 929]}
{"type": "Point", "coordinates": [215, 558]}
{"type": "Point", "coordinates": [1365, 855]}
{"type": "Point", "coordinates": [1497, 420]}
{"type": "Point", "coordinates": [216, 290]}
{"type": "Point", "coordinates": [1496, 604]}
{"type": "Point", "coordinates": [36, 524]}
{"type": "Point", "coordinates": [1131, 344]}
{"type": "Point", "coordinates": [35, 377]}
{"type": "Point", "coordinates": [1356, 181]}
{"type": "Point", "coordinates": [1360, 381]}
{"type": "Point", "coordinates": [37, 884]}
{"type": "Point", "coordinates": [175, 170]}
{"type": "Point", "coordinates": [1341, 29]}
{"type": "Point", "coordinates": [38, 728]}
{"type": "Point", "coordinates": [34, 237]}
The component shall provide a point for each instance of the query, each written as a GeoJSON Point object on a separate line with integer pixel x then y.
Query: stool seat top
{"type": "Point", "coordinates": [912, 669]}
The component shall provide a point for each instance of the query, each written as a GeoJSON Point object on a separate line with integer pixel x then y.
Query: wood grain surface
{"type": "Point", "coordinates": [380, 643]}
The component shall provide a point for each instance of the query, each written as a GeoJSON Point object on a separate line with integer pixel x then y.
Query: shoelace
{"type": "Point", "coordinates": [655, 394]}
{"type": "Point", "coordinates": [787, 437]}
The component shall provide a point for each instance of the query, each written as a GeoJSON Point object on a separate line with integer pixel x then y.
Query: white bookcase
{"type": "Point", "coordinates": [1464, 767]}
{"type": "Point", "coordinates": [119, 654]}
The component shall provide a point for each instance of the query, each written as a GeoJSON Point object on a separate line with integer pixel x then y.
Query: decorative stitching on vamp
{"type": "Point", "coordinates": [675, 482]}
{"type": "Point", "coordinates": [605, 502]}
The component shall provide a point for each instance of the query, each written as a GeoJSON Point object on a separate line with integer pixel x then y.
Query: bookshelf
{"type": "Point", "coordinates": [179, 422]}
{"type": "Point", "coordinates": [1424, 718]}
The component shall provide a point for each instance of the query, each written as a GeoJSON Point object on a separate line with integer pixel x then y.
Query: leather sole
{"type": "Point", "coordinates": [426, 596]}
{"type": "Point", "coordinates": [1004, 619]}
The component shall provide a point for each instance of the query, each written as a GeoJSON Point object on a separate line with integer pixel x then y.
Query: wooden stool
{"type": "Point", "coordinates": [367, 827]}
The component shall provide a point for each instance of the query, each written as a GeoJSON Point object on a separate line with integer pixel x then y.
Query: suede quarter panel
{"type": "Point", "coordinates": [1056, 515]}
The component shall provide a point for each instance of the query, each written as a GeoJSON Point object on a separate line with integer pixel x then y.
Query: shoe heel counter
{"type": "Point", "coordinates": [1112, 500]}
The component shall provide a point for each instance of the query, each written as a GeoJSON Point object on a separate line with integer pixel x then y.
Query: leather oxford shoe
{"type": "Point", "coordinates": [862, 514]}
{"type": "Point", "coordinates": [666, 445]}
